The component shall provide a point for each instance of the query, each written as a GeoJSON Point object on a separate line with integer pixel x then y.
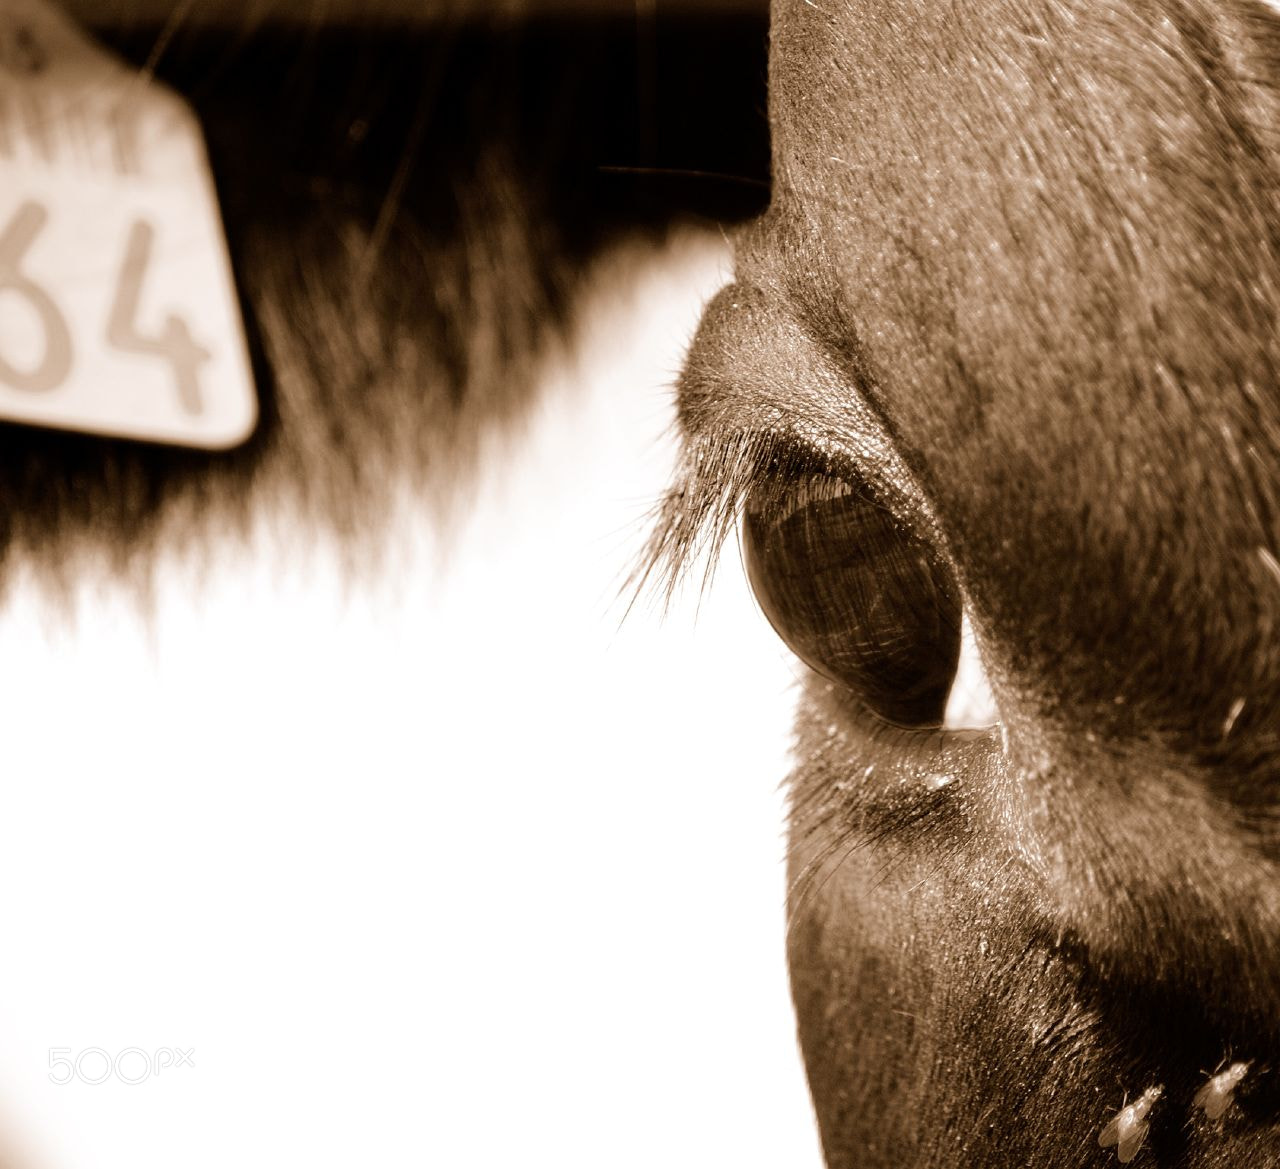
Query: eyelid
{"type": "Point", "coordinates": [760, 399]}
{"type": "Point", "coordinates": [756, 368]}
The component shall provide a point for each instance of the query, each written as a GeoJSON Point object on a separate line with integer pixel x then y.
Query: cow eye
{"type": "Point", "coordinates": [857, 595]}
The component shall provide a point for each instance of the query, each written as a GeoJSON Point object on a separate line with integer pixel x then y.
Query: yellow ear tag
{"type": "Point", "coordinates": [118, 312]}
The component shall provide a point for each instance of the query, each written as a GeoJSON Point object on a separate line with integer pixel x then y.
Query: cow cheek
{"type": "Point", "coordinates": [934, 1011]}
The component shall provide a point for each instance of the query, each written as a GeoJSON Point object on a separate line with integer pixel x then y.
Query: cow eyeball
{"type": "Point", "coordinates": [862, 599]}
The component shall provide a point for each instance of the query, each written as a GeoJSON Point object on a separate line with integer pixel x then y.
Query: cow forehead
{"type": "Point", "coordinates": [1048, 231]}
{"type": "Point", "coordinates": [1001, 222]}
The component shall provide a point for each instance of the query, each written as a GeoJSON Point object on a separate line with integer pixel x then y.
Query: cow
{"type": "Point", "coordinates": [1002, 356]}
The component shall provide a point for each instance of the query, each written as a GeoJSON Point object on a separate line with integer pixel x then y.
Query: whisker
{"type": "Point", "coordinates": [163, 40]}
{"type": "Point", "coordinates": [394, 198]}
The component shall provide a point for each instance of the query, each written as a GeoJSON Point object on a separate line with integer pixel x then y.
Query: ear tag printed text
{"type": "Point", "coordinates": [118, 310]}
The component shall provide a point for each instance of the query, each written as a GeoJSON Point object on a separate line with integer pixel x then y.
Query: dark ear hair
{"type": "Point", "coordinates": [409, 212]}
{"type": "Point", "coordinates": [396, 272]}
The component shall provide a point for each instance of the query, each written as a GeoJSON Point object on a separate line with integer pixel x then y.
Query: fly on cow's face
{"type": "Point", "coordinates": [1129, 1128]}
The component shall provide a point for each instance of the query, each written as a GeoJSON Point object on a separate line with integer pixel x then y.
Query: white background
{"type": "Point", "coordinates": [443, 870]}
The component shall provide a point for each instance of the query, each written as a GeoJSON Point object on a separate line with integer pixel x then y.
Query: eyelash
{"type": "Point", "coordinates": [712, 485]}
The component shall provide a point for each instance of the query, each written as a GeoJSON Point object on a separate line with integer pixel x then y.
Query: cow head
{"type": "Point", "coordinates": [1004, 353]}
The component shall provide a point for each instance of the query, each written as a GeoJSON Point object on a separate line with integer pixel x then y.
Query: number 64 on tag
{"type": "Point", "coordinates": [175, 345]}
{"type": "Point", "coordinates": [88, 340]}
